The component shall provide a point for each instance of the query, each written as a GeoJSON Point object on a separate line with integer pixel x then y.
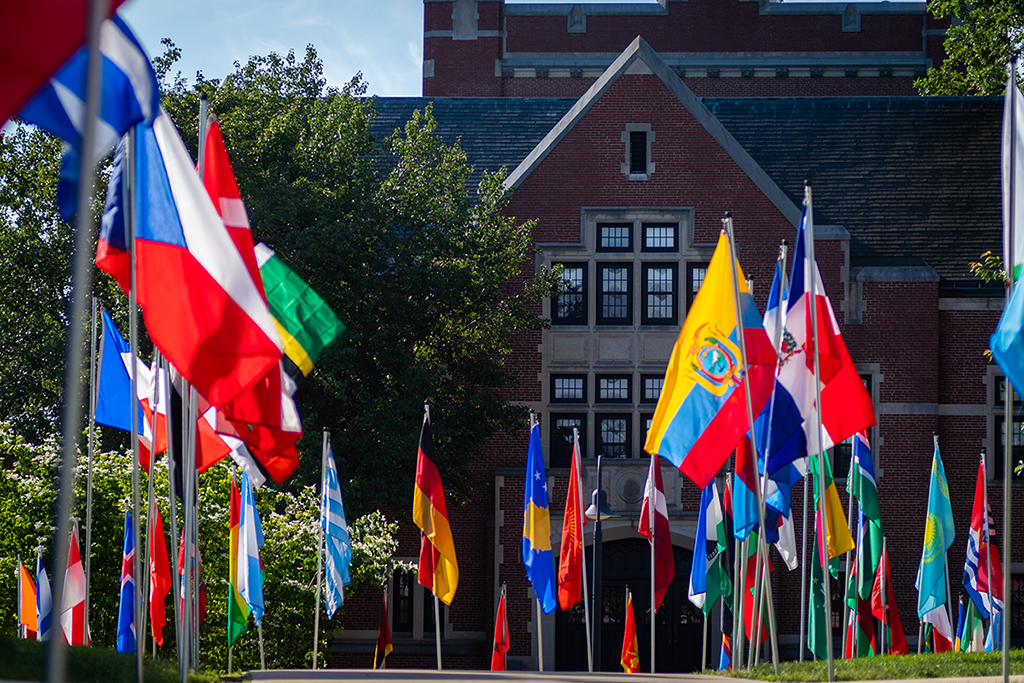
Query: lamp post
{"type": "Point", "coordinates": [598, 511]}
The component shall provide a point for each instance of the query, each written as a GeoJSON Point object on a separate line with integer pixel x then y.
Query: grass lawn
{"type": "Point", "coordinates": [22, 660]}
{"type": "Point", "coordinates": [947, 665]}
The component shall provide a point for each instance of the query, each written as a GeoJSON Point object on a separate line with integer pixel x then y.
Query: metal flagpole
{"type": "Point", "coordinates": [650, 523]}
{"type": "Point", "coordinates": [437, 629]}
{"type": "Point", "coordinates": [150, 503]}
{"type": "Point", "coordinates": [540, 637]}
{"type": "Point", "coordinates": [186, 547]}
{"type": "Point", "coordinates": [988, 547]}
{"type": "Point", "coordinates": [846, 588]}
{"type": "Point", "coordinates": [578, 457]}
{"type": "Point", "coordinates": [172, 494]}
{"type": "Point", "coordinates": [803, 571]}
{"type": "Point", "coordinates": [738, 639]}
{"type": "Point", "coordinates": [263, 659]}
{"type": "Point", "coordinates": [704, 648]}
{"type": "Point", "coordinates": [762, 546]}
{"type": "Point", "coordinates": [320, 544]}
{"type": "Point", "coordinates": [94, 383]}
{"type": "Point", "coordinates": [737, 593]}
{"type": "Point", "coordinates": [197, 583]}
{"type": "Point", "coordinates": [81, 286]}
{"type": "Point", "coordinates": [945, 559]}
{"type": "Point", "coordinates": [885, 597]}
{"type": "Point", "coordinates": [811, 267]}
{"type": "Point", "coordinates": [1008, 262]}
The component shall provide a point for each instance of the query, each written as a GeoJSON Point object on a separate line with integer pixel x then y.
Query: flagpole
{"type": "Point", "coordinates": [721, 619]}
{"type": "Point", "coordinates": [320, 545]}
{"type": "Point", "coordinates": [437, 629]}
{"type": "Point", "coordinates": [577, 456]}
{"type": "Point", "coordinates": [150, 502]}
{"type": "Point", "coordinates": [738, 639]}
{"type": "Point", "coordinates": [231, 588]}
{"type": "Point", "coordinates": [988, 546]}
{"type": "Point", "coordinates": [945, 558]}
{"type": "Point", "coordinates": [1008, 262]}
{"type": "Point", "coordinates": [803, 571]}
{"type": "Point", "coordinates": [81, 286]}
{"type": "Point", "coordinates": [885, 596]}
{"type": "Point", "coordinates": [93, 388]}
{"type": "Point", "coordinates": [762, 548]}
{"type": "Point", "coordinates": [165, 388]}
{"type": "Point", "coordinates": [737, 601]}
{"type": "Point", "coordinates": [263, 660]}
{"type": "Point", "coordinates": [704, 647]}
{"type": "Point", "coordinates": [185, 597]}
{"type": "Point", "coordinates": [846, 588]}
{"type": "Point", "coordinates": [811, 265]}
{"type": "Point", "coordinates": [650, 523]}
{"type": "Point", "coordinates": [193, 412]}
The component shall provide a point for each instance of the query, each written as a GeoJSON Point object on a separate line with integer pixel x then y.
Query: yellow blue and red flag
{"type": "Point", "coordinates": [537, 557]}
{"type": "Point", "coordinates": [702, 413]}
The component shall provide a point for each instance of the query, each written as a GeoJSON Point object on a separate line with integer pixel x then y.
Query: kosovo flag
{"type": "Point", "coordinates": [537, 557]}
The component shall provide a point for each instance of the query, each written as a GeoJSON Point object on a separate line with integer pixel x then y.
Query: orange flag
{"type": "Point", "coordinates": [570, 558]}
{"type": "Point", "coordinates": [26, 602]}
{"type": "Point", "coordinates": [629, 658]}
{"type": "Point", "coordinates": [501, 644]}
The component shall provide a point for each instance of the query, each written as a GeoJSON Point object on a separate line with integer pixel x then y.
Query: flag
{"type": "Point", "coordinates": [938, 537]}
{"type": "Point", "coordinates": [702, 413]}
{"type": "Point", "coordinates": [197, 579]}
{"type": "Point", "coordinates": [36, 38]}
{"type": "Point", "coordinates": [439, 570]}
{"type": "Point", "coordinates": [570, 555]}
{"type": "Point", "coordinates": [44, 601]}
{"type": "Point", "coordinates": [630, 659]}
{"type": "Point", "coordinates": [383, 647]}
{"type": "Point", "coordinates": [338, 544]}
{"type": "Point", "coordinates": [942, 631]}
{"type": "Point", "coordinates": [306, 323]}
{"type": "Point", "coordinates": [705, 576]}
{"type": "Point", "coordinates": [861, 485]}
{"type": "Point", "coordinates": [979, 543]}
{"type": "Point", "coordinates": [971, 633]}
{"type": "Point", "coordinates": [201, 306]}
{"type": "Point", "coordinates": [993, 637]}
{"type": "Point", "coordinates": [725, 657]}
{"type": "Point", "coordinates": [238, 610]}
{"type": "Point", "coordinates": [501, 643]}
{"type": "Point", "coordinates": [537, 557]}
{"type": "Point", "coordinates": [819, 616]}
{"type": "Point", "coordinates": [126, 607]}
{"type": "Point", "coordinates": [744, 491]}
{"type": "Point", "coordinates": [845, 405]}
{"type": "Point", "coordinates": [264, 415]}
{"type": "Point", "coordinates": [159, 577]}
{"type": "Point", "coordinates": [957, 644]}
{"type": "Point", "coordinates": [836, 526]}
{"type": "Point", "coordinates": [750, 616]}
{"type": "Point", "coordinates": [72, 620]}
{"type": "Point", "coordinates": [1013, 179]}
{"type": "Point", "coordinates": [860, 631]}
{"type": "Point", "coordinates": [130, 94]}
{"type": "Point", "coordinates": [659, 536]}
{"type": "Point", "coordinates": [250, 540]}
{"type": "Point", "coordinates": [27, 618]}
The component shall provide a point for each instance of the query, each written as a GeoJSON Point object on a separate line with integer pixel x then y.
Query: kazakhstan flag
{"type": "Point", "coordinates": [938, 537]}
{"type": "Point", "coordinates": [540, 563]}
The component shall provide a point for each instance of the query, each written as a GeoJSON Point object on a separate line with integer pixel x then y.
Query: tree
{"type": "Point", "coordinates": [425, 273]}
{"type": "Point", "coordinates": [984, 37]}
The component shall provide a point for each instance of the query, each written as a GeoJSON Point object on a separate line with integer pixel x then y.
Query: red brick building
{"type": "Point", "coordinates": [628, 131]}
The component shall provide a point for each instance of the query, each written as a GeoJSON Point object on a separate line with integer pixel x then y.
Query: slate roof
{"type": "Point", "coordinates": [914, 180]}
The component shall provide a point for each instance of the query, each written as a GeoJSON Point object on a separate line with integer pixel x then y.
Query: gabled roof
{"type": "Point", "coordinates": [639, 52]}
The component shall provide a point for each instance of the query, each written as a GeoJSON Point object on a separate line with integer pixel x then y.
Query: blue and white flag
{"type": "Point", "coordinates": [113, 397]}
{"type": "Point", "coordinates": [708, 519]}
{"type": "Point", "coordinates": [44, 601]}
{"type": "Point", "coordinates": [537, 556]}
{"type": "Point", "coordinates": [129, 94]}
{"type": "Point", "coordinates": [250, 540]}
{"type": "Point", "coordinates": [126, 608]}
{"type": "Point", "coordinates": [339, 546]}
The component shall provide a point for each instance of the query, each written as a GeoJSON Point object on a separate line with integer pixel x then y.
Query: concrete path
{"type": "Point", "coordinates": [459, 676]}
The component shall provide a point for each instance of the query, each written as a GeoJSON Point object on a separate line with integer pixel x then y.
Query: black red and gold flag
{"type": "Point", "coordinates": [439, 570]}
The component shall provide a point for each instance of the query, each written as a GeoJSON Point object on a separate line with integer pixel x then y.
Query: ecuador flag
{"type": "Point", "coordinates": [439, 570]}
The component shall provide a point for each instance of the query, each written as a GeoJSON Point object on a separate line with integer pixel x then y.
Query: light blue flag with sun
{"type": "Point", "coordinates": [938, 537]}
{"type": "Point", "coordinates": [537, 556]}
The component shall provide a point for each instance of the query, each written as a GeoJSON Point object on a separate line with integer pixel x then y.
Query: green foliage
{"type": "Point", "coordinates": [424, 271]}
{"type": "Point", "coordinates": [960, 665]}
{"type": "Point", "coordinates": [28, 480]}
{"type": "Point", "coordinates": [984, 37]}
{"type": "Point", "coordinates": [989, 268]}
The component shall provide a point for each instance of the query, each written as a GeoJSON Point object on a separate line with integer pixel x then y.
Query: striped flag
{"type": "Point", "coordinates": [439, 569]}
{"type": "Point", "coordinates": [44, 601]}
{"type": "Point", "coordinates": [238, 610]}
{"type": "Point", "coordinates": [660, 535]}
{"type": "Point", "coordinates": [72, 619]}
{"type": "Point", "coordinates": [705, 582]}
{"type": "Point", "coordinates": [979, 546]}
{"type": "Point", "coordinates": [339, 546]}
{"type": "Point", "coordinates": [130, 94]}
{"type": "Point", "coordinates": [250, 540]}
{"type": "Point", "coordinates": [126, 608]}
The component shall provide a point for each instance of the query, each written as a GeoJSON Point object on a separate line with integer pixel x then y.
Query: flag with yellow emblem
{"type": "Point", "coordinates": [938, 537]}
{"type": "Point", "coordinates": [537, 557]}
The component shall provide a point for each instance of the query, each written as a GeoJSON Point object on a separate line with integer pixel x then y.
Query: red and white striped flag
{"type": "Point", "coordinates": [72, 619]}
{"type": "Point", "coordinates": [660, 536]}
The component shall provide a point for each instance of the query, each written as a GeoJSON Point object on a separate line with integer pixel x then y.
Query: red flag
{"type": "Point", "coordinates": [197, 560]}
{"type": "Point", "coordinates": [36, 39]}
{"type": "Point", "coordinates": [896, 643]}
{"type": "Point", "coordinates": [570, 558]}
{"type": "Point", "coordinates": [159, 577]}
{"type": "Point", "coordinates": [72, 621]}
{"type": "Point", "coordinates": [660, 536]}
{"type": "Point", "coordinates": [264, 415]}
{"type": "Point", "coordinates": [383, 647]}
{"type": "Point", "coordinates": [630, 658]}
{"type": "Point", "coordinates": [748, 594]}
{"type": "Point", "coordinates": [501, 644]}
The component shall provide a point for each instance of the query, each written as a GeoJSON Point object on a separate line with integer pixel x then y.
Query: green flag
{"type": "Point", "coordinates": [819, 626]}
{"type": "Point", "coordinates": [238, 610]}
{"type": "Point", "coordinates": [862, 485]}
{"type": "Point", "coordinates": [306, 323]}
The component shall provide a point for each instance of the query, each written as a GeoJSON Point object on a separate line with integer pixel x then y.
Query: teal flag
{"type": "Point", "coordinates": [537, 556]}
{"type": "Point", "coordinates": [938, 537]}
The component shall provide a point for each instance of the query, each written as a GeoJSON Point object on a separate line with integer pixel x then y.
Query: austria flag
{"type": "Point", "coordinates": [202, 308]}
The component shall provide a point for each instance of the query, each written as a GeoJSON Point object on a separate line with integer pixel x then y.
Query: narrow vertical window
{"type": "Point", "coordinates": [562, 427]}
{"type": "Point", "coordinates": [659, 294]}
{"type": "Point", "coordinates": [613, 436]}
{"type": "Point", "coordinates": [615, 306]}
{"type": "Point", "coordinates": [570, 306]}
{"type": "Point", "coordinates": [638, 152]}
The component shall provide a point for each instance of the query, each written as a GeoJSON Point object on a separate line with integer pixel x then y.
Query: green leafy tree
{"type": "Point", "coordinates": [984, 37]}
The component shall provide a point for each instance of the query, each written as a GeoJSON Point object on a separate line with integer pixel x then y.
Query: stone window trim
{"type": "Point", "coordinates": [565, 383]}
{"type": "Point", "coordinates": [660, 303]}
{"type": "Point", "coordinates": [628, 154]}
{"type": "Point", "coordinates": [995, 417]}
{"type": "Point", "coordinates": [613, 388]}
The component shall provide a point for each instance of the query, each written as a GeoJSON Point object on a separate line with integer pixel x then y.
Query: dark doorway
{"type": "Point", "coordinates": [678, 629]}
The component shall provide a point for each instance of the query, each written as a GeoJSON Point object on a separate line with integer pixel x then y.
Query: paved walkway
{"type": "Point", "coordinates": [460, 676]}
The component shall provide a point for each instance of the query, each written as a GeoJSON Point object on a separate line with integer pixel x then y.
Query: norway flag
{"type": "Point", "coordinates": [201, 306]}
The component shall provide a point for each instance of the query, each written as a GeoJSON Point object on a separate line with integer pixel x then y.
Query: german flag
{"type": "Point", "coordinates": [439, 571]}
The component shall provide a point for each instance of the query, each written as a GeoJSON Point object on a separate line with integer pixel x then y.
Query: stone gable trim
{"type": "Point", "coordinates": [639, 49]}
{"type": "Point", "coordinates": [894, 274]}
{"type": "Point", "coordinates": [988, 303]}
